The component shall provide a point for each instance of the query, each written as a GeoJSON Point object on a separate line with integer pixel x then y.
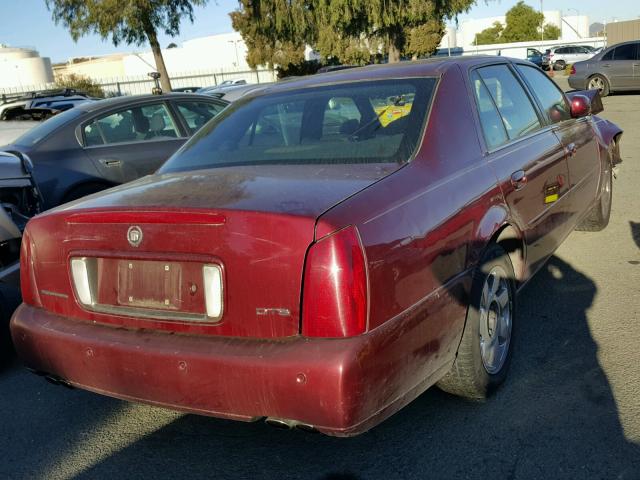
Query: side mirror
{"type": "Point", "coordinates": [580, 106]}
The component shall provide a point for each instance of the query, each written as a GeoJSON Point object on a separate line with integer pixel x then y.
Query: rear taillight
{"type": "Point", "coordinates": [28, 285]}
{"type": "Point", "coordinates": [335, 290]}
{"type": "Point", "coordinates": [573, 70]}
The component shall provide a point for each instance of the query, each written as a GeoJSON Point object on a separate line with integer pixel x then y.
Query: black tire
{"type": "Point", "coordinates": [559, 65]}
{"type": "Point", "coordinates": [599, 82]}
{"type": "Point", "coordinates": [469, 377]}
{"type": "Point", "coordinates": [83, 190]}
{"type": "Point", "coordinates": [598, 218]}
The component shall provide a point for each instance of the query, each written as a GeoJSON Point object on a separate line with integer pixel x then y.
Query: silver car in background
{"type": "Point", "coordinates": [557, 58]}
{"type": "Point", "coordinates": [616, 68]}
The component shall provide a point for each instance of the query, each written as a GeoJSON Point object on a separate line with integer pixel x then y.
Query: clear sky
{"type": "Point", "coordinates": [28, 23]}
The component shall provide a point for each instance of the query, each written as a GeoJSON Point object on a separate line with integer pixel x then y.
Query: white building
{"type": "Point", "coordinates": [224, 52]}
{"type": "Point", "coordinates": [22, 68]}
{"type": "Point", "coordinates": [572, 27]}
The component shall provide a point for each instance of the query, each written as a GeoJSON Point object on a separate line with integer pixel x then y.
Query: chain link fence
{"type": "Point", "coordinates": [141, 84]}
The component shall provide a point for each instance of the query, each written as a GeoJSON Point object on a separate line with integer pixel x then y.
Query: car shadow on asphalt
{"type": "Point", "coordinates": [556, 417]}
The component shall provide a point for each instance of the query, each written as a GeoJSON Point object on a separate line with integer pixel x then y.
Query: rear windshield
{"type": "Point", "coordinates": [36, 134]}
{"type": "Point", "coordinates": [358, 122]}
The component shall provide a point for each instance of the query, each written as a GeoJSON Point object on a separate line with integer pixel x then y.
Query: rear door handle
{"type": "Point", "coordinates": [110, 162]}
{"type": "Point", "coordinates": [572, 149]}
{"type": "Point", "coordinates": [519, 179]}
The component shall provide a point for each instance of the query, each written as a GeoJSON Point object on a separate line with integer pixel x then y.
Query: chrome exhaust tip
{"type": "Point", "coordinates": [279, 423]}
{"type": "Point", "coordinates": [283, 424]}
{"type": "Point", "coordinates": [306, 428]}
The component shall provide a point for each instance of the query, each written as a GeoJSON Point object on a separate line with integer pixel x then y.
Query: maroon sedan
{"type": "Point", "coordinates": [324, 251]}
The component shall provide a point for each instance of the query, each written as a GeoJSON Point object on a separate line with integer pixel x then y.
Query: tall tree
{"type": "Point", "coordinates": [350, 31]}
{"type": "Point", "coordinates": [523, 24]}
{"type": "Point", "coordinates": [490, 35]}
{"type": "Point", "coordinates": [128, 21]}
{"type": "Point", "coordinates": [275, 32]}
{"type": "Point", "coordinates": [552, 32]}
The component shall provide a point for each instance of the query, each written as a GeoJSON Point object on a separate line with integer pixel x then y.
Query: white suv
{"type": "Point", "coordinates": [559, 57]}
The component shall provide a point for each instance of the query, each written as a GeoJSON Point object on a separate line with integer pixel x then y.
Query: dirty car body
{"type": "Point", "coordinates": [311, 255]}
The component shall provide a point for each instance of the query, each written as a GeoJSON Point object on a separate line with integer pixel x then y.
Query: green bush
{"type": "Point", "coordinates": [81, 84]}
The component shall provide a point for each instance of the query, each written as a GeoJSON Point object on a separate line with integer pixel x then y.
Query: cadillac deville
{"type": "Point", "coordinates": [324, 250]}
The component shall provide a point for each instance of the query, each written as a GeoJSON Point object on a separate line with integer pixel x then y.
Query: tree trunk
{"type": "Point", "coordinates": [394, 51]}
{"type": "Point", "coordinates": [165, 83]}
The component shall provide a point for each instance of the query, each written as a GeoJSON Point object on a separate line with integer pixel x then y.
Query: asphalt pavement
{"type": "Point", "coordinates": [569, 410]}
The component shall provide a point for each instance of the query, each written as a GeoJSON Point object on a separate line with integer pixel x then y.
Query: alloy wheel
{"type": "Point", "coordinates": [596, 83]}
{"type": "Point", "coordinates": [496, 320]}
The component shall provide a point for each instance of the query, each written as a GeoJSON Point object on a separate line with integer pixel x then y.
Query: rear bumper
{"type": "Point", "coordinates": [341, 387]}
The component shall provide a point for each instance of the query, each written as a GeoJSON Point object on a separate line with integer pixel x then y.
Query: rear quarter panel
{"type": "Point", "coordinates": [423, 229]}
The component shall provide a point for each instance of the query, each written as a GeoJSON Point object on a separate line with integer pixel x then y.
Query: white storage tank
{"type": "Point", "coordinates": [22, 68]}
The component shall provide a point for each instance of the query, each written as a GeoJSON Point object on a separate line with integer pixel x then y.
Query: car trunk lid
{"type": "Point", "coordinates": [144, 263]}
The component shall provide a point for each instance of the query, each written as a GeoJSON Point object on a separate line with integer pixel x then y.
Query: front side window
{"type": "Point", "coordinates": [196, 114]}
{"type": "Point", "coordinates": [549, 96]}
{"type": "Point", "coordinates": [517, 112]}
{"type": "Point", "coordinates": [136, 124]}
{"type": "Point", "coordinates": [356, 122]}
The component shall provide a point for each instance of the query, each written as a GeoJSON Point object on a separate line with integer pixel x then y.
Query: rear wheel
{"type": "Point", "coordinates": [559, 65]}
{"type": "Point", "coordinates": [598, 217]}
{"type": "Point", "coordinates": [484, 354]}
{"type": "Point", "coordinates": [598, 82]}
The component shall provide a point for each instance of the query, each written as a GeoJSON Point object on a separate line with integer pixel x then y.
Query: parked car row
{"type": "Point", "coordinates": [319, 253]}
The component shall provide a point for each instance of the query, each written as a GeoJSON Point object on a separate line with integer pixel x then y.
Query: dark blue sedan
{"type": "Point", "coordinates": [97, 145]}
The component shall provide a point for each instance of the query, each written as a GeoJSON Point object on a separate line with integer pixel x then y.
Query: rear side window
{"type": "Point", "coordinates": [492, 126]}
{"type": "Point", "coordinates": [196, 114]}
{"type": "Point", "coordinates": [549, 96]}
{"type": "Point", "coordinates": [626, 52]}
{"type": "Point", "coordinates": [517, 112]}
{"type": "Point", "coordinates": [47, 127]}
{"type": "Point", "coordinates": [136, 124]}
{"type": "Point", "coordinates": [357, 122]}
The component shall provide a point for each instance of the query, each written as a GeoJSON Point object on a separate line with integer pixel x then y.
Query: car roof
{"type": "Point", "coordinates": [622, 43]}
{"type": "Point", "coordinates": [109, 103]}
{"type": "Point", "coordinates": [435, 66]}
